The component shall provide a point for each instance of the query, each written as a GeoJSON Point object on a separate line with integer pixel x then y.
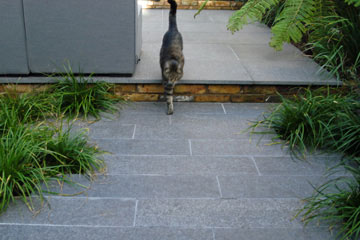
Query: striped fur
{"type": "Point", "coordinates": [171, 57]}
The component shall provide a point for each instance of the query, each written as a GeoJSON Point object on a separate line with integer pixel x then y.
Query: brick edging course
{"type": "Point", "coordinates": [186, 92]}
{"type": "Point", "coordinates": [195, 4]}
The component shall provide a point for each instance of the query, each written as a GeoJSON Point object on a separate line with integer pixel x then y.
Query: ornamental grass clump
{"type": "Point", "coordinates": [337, 202]}
{"type": "Point", "coordinates": [32, 156]}
{"type": "Point", "coordinates": [315, 120]}
{"type": "Point", "coordinates": [24, 108]}
{"type": "Point", "coordinates": [71, 153]}
{"type": "Point", "coordinates": [21, 171]}
{"type": "Point", "coordinates": [81, 95]}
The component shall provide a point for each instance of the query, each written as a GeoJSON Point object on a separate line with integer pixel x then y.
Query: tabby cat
{"type": "Point", "coordinates": [171, 58]}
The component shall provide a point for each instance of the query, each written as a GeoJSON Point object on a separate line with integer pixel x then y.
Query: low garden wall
{"type": "Point", "coordinates": [194, 4]}
{"type": "Point", "coordinates": [185, 92]}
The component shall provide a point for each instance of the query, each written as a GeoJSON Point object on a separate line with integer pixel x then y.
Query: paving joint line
{"type": "Point", "coordinates": [256, 166]}
{"type": "Point", "coordinates": [190, 147]}
{"type": "Point", "coordinates": [223, 107]}
{"type": "Point", "coordinates": [133, 136]}
{"type": "Point", "coordinates": [213, 233]}
{"type": "Point", "coordinates": [232, 50]}
{"type": "Point", "coordinates": [218, 182]}
{"type": "Point", "coordinates": [135, 212]}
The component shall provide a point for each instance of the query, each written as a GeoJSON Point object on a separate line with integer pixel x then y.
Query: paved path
{"type": "Point", "coordinates": [215, 56]}
{"type": "Point", "coordinates": [187, 176]}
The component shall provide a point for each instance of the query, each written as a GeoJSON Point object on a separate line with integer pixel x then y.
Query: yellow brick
{"type": "Point", "coordinates": [255, 98]}
{"type": "Point", "coordinates": [209, 4]}
{"type": "Point", "coordinates": [222, 4]}
{"type": "Point", "coordinates": [212, 98]}
{"type": "Point", "coordinates": [19, 88]}
{"type": "Point", "coordinates": [260, 89]}
{"type": "Point", "coordinates": [42, 87]}
{"type": "Point", "coordinates": [150, 88]}
{"type": "Point", "coordinates": [138, 97]}
{"type": "Point", "coordinates": [121, 88]}
{"type": "Point", "coordinates": [195, 89]}
{"type": "Point", "coordinates": [186, 2]}
{"type": "Point", "coordinates": [228, 89]}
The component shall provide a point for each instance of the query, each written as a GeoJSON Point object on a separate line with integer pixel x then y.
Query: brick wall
{"type": "Point", "coordinates": [194, 4]}
{"type": "Point", "coordinates": [186, 92]}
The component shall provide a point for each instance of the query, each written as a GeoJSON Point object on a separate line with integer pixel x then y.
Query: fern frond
{"type": "Point", "coordinates": [253, 10]}
{"type": "Point", "coordinates": [202, 6]}
{"type": "Point", "coordinates": [355, 2]}
{"type": "Point", "coordinates": [291, 23]}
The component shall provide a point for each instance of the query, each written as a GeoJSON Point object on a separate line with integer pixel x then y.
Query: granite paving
{"type": "Point", "coordinates": [213, 55]}
{"type": "Point", "coordinates": [193, 175]}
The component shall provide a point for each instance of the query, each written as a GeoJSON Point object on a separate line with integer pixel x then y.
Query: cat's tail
{"type": "Point", "coordinates": [172, 16]}
{"type": "Point", "coordinates": [173, 7]}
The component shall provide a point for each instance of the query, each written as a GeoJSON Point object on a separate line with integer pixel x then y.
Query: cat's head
{"type": "Point", "coordinates": [172, 70]}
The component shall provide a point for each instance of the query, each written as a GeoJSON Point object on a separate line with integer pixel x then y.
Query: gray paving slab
{"type": "Point", "coordinates": [136, 118]}
{"type": "Point", "coordinates": [293, 167]}
{"type": "Point", "coordinates": [181, 108]}
{"type": "Point", "coordinates": [176, 165]}
{"type": "Point", "coordinates": [243, 213]}
{"type": "Point", "coordinates": [200, 127]}
{"type": "Point", "coordinates": [237, 147]}
{"type": "Point", "coordinates": [268, 186]}
{"type": "Point", "coordinates": [256, 63]}
{"type": "Point", "coordinates": [23, 232]}
{"type": "Point", "coordinates": [111, 130]}
{"type": "Point", "coordinates": [74, 212]}
{"type": "Point", "coordinates": [146, 186]}
{"type": "Point", "coordinates": [225, 38]}
{"type": "Point", "coordinates": [145, 147]}
{"type": "Point", "coordinates": [253, 110]}
{"type": "Point", "coordinates": [286, 72]}
{"type": "Point", "coordinates": [264, 53]}
{"type": "Point", "coordinates": [204, 52]}
{"type": "Point", "coordinates": [273, 234]}
{"type": "Point", "coordinates": [208, 72]}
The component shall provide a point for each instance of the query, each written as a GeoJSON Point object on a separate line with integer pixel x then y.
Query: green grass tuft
{"type": "Point", "coordinates": [80, 95]}
{"type": "Point", "coordinates": [316, 120]}
{"type": "Point", "coordinates": [337, 202]}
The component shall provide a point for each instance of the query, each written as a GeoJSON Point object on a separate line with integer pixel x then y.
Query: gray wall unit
{"type": "Point", "coordinates": [13, 59]}
{"type": "Point", "coordinates": [95, 36]}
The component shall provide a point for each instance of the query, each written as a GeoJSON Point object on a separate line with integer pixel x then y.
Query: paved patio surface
{"type": "Point", "coordinates": [214, 56]}
{"type": "Point", "coordinates": [192, 175]}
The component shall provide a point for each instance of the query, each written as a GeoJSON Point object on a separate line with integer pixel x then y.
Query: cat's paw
{"type": "Point", "coordinates": [170, 109]}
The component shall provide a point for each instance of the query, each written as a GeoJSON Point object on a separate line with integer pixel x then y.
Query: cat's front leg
{"type": "Point", "coordinates": [169, 90]}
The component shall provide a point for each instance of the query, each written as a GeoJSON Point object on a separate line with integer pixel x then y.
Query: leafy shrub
{"type": "Point", "coordinates": [334, 41]}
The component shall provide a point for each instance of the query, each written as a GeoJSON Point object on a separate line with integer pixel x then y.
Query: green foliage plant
{"type": "Point", "coordinates": [313, 120]}
{"type": "Point", "coordinates": [337, 202]}
{"type": "Point", "coordinates": [80, 95]}
{"type": "Point", "coordinates": [328, 28]}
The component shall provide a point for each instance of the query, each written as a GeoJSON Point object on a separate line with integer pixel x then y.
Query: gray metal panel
{"type": "Point", "coordinates": [138, 20]}
{"type": "Point", "coordinates": [94, 35]}
{"type": "Point", "coordinates": [13, 58]}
